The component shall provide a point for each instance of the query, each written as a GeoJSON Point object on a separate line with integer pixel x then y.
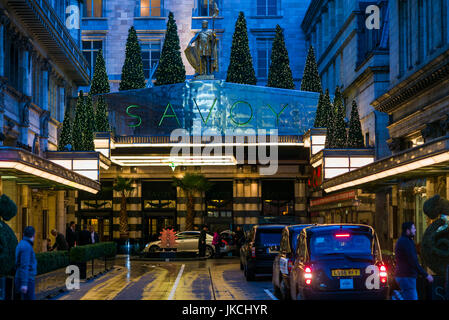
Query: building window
{"type": "Point", "coordinates": [263, 57]}
{"type": "Point", "coordinates": [151, 52]}
{"type": "Point", "coordinates": [90, 52]}
{"type": "Point", "coordinates": [267, 7]}
{"type": "Point", "coordinates": [278, 197]}
{"type": "Point", "coordinates": [150, 8]}
{"type": "Point", "coordinates": [12, 64]}
{"type": "Point", "coordinates": [93, 8]}
{"type": "Point", "coordinates": [37, 83]}
{"type": "Point", "coordinates": [206, 7]}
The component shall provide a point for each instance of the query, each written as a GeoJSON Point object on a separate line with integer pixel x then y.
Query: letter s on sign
{"type": "Point", "coordinates": [134, 116]}
{"type": "Point", "coordinates": [372, 281]}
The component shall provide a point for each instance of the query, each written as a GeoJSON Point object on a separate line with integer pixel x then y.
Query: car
{"type": "Point", "coordinates": [187, 241]}
{"type": "Point", "coordinates": [228, 243]}
{"type": "Point", "coordinates": [260, 249]}
{"type": "Point", "coordinates": [283, 262]}
{"type": "Point", "coordinates": [338, 261]}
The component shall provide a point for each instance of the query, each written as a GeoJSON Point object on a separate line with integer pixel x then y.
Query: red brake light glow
{"type": "Point", "coordinates": [342, 235]}
{"type": "Point", "coordinates": [383, 274]}
{"type": "Point", "coordinates": [308, 275]}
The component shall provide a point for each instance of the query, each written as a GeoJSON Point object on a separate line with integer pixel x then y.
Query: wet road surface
{"type": "Point", "coordinates": [212, 279]}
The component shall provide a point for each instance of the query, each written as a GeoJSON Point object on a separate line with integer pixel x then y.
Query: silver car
{"type": "Point", "coordinates": [187, 242]}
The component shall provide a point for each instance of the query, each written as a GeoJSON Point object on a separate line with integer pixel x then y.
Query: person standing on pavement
{"type": "Point", "coordinates": [84, 236]}
{"type": "Point", "coordinates": [60, 242]}
{"type": "Point", "coordinates": [216, 242]}
{"type": "Point", "coordinates": [407, 265]}
{"type": "Point", "coordinates": [26, 266]}
{"type": "Point", "coordinates": [202, 242]}
{"type": "Point", "coordinates": [239, 237]}
{"type": "Point", "coordinates": [70, 234]}
{"type": "Point", "coordinates": [93, 235]}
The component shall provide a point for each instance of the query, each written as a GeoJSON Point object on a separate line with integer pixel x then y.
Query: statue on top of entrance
{"type": "Point", "coordinates": [203, 55]}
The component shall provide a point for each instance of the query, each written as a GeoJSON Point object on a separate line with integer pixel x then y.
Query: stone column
{"type": "Point", "coordinates": [60, 211]}
{"type": "Point", "coordinates": [300, 200]}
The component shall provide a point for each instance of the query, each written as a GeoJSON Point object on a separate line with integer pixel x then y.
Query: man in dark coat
{"type": "Point", "coordinates": [26, 266]}
{"type": "Point", "coordinates": [71, 234]}
{"type": "Point", "coordinates": [93, 235]}
{"type": "Point", "coordinates": [60, 242]}
{"type": "Point", "coordinates": [407, 265]}
{"type": "Point", "coordinates": [84, 236]}
{"type": "Point", "coordinates": [202, 242]}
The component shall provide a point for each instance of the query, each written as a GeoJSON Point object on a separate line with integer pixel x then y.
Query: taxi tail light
{"type": "Point", "coordinates": [383, 274]}
{"type": "Point", "coordinates": [253, 252]}
{"type": "Point", "coordinates": [308, 275]}
{"type": "Point", "coordinates": [342, 235]}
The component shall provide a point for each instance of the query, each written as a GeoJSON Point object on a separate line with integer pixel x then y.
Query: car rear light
{"type": "Point", "coordinates": [308, 275]}
{"type": "Point", "coordinates": [342, 235]}
{"type": "Point", "coordinates": [383, 274]}
{"type": "Point", "coordinates": [253, 252]}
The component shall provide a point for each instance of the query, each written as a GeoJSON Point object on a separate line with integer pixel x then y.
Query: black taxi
{"type": "Point", "coordinates": [338, 261]}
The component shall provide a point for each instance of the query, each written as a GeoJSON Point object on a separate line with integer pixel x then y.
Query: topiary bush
{"type": "Point", "coordinates": [50, 261]}
{"type": "Point", "coordinates": [89, 252]}
{"type": "Point", "coordinates": [435, 248]}
{"type": "Point", "coordinates": [8, 240]}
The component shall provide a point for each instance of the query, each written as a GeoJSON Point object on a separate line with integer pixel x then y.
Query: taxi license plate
{"type": "Point", "coordinates": [345, 272]}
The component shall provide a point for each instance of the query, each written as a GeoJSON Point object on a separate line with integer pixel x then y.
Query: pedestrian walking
{"type": "Point", "coordinates": [407, 265]}
{"type": "Point", "coordinates": [202, 242]}
{"type": "Point", "coordinates": [60, 242]}
{"type": "Point", "coordinates": [239, 238]}
{"type": "Point", "coordinates": [26, 266]}
{"type": "Point", "coordinates": [216, 242]}
{"type": "Point", "coordinates": [70, 234]}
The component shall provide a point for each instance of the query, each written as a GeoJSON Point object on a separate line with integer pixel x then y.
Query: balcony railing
{"type": "Point", "coordinates": [48, 28]}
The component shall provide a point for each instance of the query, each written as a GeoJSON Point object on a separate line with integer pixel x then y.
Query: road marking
{"type": "Point", "coordinates": [178, 278]}
{"type": "Point", "coordinates": [270, 294]}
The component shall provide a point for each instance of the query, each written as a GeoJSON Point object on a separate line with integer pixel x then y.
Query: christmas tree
{"type": "Point", "coordinates": [66, 131]}
{"type": "Point", "coordinates": [241, 68]}
{"type": "Point", "coordinates": [336, 132]}
{"type": "Point", "coordinates": [355, 136]}
{"type": "Point", "coordinates": [170, 69]}
{"type": "Point", "coordinates": [311, 79]}
{"type": "Point", "coordinates": [280, 74]}
{"type": "Point", "coordinates": [321, 115]}
{"type": "Point", "coordinates": [88, 134]}
{"type": "Point", "coordinates": [132, 71]}
{"type": "Point", "coordinates": [100, 84]}
{"type": "Point", "coordinates": [327, 106]}
{"type": "Point", "coordinates": [79, 123]}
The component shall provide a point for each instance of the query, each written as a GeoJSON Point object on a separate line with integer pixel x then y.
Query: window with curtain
{"type": "Point", "coordinates": [267, 7]}
{"type": "Point", "coordinates": [206, 7]}
{"type": "Point", "coordinates": [150, 8]}
{"type": "Point", "coordinates": [93, 8]}
{"type": "Point", "coordinates": [37, 83]}
{"type": "Point", "coordinates": [53, 98]}
{"type": "Point", "coordinates": [151, 52]}
{"type": "Point", "coordinates": [263, 46]}
{"type": "Point", "coordinates": [90, 52]}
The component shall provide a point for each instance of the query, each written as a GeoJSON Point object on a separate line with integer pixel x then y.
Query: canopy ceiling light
{"type": "Point", "coordinates": [174, 161]}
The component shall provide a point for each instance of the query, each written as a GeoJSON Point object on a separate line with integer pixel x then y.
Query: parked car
{"type": "Point", "coordinates": [228, 243]}
{"type": "Point", "coordinates": [283, 262]}
{"type": "Point", "coordinates": [260, 249]}
{"type": "Point", "coordinates": [338, 261]}
{"type": "Point", "coordinates": [187, 242]}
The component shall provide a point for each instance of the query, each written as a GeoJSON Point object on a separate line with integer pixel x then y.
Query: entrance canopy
{"type": "Point", "coordinates": [211, 107]}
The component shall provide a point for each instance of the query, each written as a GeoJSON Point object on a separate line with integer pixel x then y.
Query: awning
{"type": "Point", "coordinates": [30, 169]}
{"type": "Point", "coordinates": [428, 159]}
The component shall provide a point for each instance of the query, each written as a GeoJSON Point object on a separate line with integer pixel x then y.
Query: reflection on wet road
{"type": "Point", "coordinates": [219, 279]}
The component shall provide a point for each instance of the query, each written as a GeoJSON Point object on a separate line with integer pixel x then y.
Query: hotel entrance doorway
{"type": "Point", "coordinates": [102, 226]}
{"type": "Point", "coordinates": [152, 227]}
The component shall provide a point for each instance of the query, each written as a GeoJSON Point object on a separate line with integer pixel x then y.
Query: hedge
{"type": "Point", "coordinates": [93, 251]}
{"type": "Point", "coordinates": [50, 261]}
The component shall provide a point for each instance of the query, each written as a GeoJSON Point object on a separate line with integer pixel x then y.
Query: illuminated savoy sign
{"type": "Point", "coordinates": [215, 106]}
{"type": "Point", "coordinates": [243, 107]}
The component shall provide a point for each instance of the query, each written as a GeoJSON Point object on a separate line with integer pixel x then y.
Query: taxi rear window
{"type": "Point", "coordinates": [328, 244]}
{"type": "Point", "coordinates": [268, 238]}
